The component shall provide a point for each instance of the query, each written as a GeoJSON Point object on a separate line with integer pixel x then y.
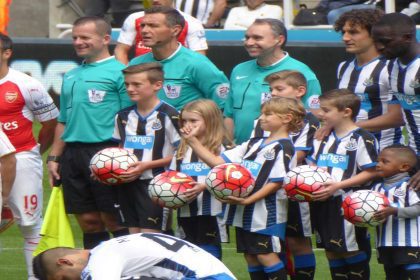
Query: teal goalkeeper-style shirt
{"type": "Point", "coordinates": [189, 76]}
{"type": "Point", "coordinates": [91, 95]}
{"type": "Point", "coordinates": [248, 91]}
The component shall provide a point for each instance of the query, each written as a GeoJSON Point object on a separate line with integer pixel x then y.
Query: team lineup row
{"type": "Point", "coordinates": [101, 87]}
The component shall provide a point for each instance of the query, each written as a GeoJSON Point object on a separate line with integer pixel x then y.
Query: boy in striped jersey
{"type": "Point", "coordinates": [292, 84]}
{"type": "Point", "coordinates": [349, 154]}
{"type": "Point", "coordinates": [150, 130]}
{"type": "Point", "coordinates": [395, 38]}
{"type": "Point", "coordinates": [398, 238]}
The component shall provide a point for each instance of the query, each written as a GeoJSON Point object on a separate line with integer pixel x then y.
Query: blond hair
{"type": "Point", "coordinates": [282, 106]}
{"type": "Point", "coordinates": [216, 133]}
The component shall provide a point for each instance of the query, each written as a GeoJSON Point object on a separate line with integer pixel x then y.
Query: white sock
{"type": "Point", "coordinates": [31, 239]}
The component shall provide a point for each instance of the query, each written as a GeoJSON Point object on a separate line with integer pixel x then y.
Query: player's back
{"type": "Point", "coordinates": [152, 255]}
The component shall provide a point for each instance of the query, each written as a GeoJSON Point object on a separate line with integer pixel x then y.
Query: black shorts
{"type": "Point", "coordinates": [200, 230]}
{"type": "Point", "coordinates": [333, 232]}
{"type": "Point", "coordinates": [298, 220]}
{"type": "Point", "coordinates": [136, 208]}
{"type": "Point", "coordinates": [255, 243]}
{"type": "Point", "coordinates": [398, 255]}
{"type": "Point", "coordinates": [81, 193]}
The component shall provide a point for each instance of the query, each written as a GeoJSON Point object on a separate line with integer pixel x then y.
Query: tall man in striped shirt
{"type": "Point", "coordinates": [395, 37]}
{"type": "Point", "coordinates": [367, 76]}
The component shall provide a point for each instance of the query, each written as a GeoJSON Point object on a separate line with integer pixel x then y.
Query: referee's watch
{"type": "Point", "coordinates": [53, 158]}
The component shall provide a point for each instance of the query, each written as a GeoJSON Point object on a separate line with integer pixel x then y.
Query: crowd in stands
{"type": "Point", "coordinates": [239, 14]}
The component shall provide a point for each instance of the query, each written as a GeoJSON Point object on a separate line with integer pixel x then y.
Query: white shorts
{"type": "Point", "coordinates": [26, 197]}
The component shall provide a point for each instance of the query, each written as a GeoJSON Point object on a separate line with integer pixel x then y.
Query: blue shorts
{"type": "Point", "coordinates": [221, 276]}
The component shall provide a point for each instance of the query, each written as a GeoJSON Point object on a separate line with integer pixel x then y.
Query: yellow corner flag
{"type": "Point", "coordinates": [56, 230]}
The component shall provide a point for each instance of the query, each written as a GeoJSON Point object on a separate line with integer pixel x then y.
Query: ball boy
{"type": "Point", "coordinates": [397, 239]}
{"type": "Point", "coordinates": [150, 130]}
{"type": "Point", "coordinates": [349, 154]}
{"type": "Point", "coordinates": [292, 84]}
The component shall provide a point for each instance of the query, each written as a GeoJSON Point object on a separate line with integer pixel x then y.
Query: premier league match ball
{"type": "Point", "coordinates": [230, 179]}
{"type": "Point", "coordinates": [167, 189]}
{"type": "Point", "coordinates": [108, 164]}
{"type": "Point", "coordinates": [302, 181]}
{"type": "Point", "coordinates": [360, 206]}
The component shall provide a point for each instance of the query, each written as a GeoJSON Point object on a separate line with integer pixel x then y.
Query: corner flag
{"type": "Point", "coordinates": [56, 230]}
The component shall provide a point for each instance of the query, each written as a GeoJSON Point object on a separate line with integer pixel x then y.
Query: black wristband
{"type": "Point", "coordinates": [53, 158]}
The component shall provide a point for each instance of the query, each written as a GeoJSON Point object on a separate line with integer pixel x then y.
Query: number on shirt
{"type": "Point", "coordinates": [174, 247]}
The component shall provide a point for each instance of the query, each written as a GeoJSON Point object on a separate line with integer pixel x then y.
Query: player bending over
{"type": "Point", "coordinates": [136, 256]}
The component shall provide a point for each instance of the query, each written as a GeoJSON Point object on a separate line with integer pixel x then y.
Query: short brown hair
{"type": "Point", "coordinates": [292, 78]}
{"type": "Point", "coordinates": [173, 17]}
{"type": "Point", "coordinates": [102, 26]}
{"type": "Point", "coordinates": [154, 71]}
{"type": "Point", "coordinates": [341, 99]}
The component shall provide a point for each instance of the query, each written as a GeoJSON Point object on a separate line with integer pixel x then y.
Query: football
{"type": "Point", "coordinates": [167, 189]}
{"type": "Point", "coordinates": [109, 163]}
{"type": "Point", "coordinates": [300, 182]}
{"type": "Point", "coordinates": [230, 179]}
{"type": "Point", "coordinates": [359, 207]}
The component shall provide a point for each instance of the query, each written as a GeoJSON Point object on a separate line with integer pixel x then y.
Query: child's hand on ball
{"type": "Point", "coordinates": [329, 188]}
{"type": "Point", "coordinates": [192, 193]}
{"type": "Point", "coordinates": [383, 214]}
{"type": "Point", "coordinates": [135, 170]}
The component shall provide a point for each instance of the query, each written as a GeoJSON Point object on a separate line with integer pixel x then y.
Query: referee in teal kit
{"type": "Point", "coordinates": [91, 96]}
